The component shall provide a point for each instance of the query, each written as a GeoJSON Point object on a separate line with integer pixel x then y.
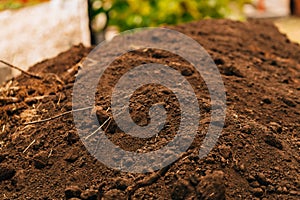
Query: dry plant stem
{"type": "Point", "coordinates": [77, 65]}
{"type": "Point", "coordinates": [74, 69]}
{"type": "Point", "coordinates": [36, 98]}
{"type": "Point", "coordinates": [96, 149]}
{"type": "Point", "coordinates": [57, 78]}
{"type": "Point", "coordinates": [21, 70]}
{"type": "Point", "coordinates": [57, 116]}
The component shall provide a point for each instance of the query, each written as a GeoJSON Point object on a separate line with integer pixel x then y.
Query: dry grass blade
{"type": "Point", "coordinates": [36, 98]}
{"type": "Point", "coordinates": [87, 137]}
{"type": "Point", "coordinates": [29, 146]}
{"type": "Point", "coordinates": [56, 116]}
{"type": "Point", "coordinates": [21, 70]}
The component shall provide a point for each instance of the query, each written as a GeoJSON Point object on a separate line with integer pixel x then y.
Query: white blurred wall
{"type": "Point", "coordinates": [32, 34]}
{"type": "Point", "coordinates": [274, 8]}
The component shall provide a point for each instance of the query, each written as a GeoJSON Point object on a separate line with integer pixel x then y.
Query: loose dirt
{"type": "Point", "coordinates": [256, 157]}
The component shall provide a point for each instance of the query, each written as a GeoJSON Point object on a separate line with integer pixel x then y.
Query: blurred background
{"type": "Point", "coordinates": [120, 15]}
{"type": "Point", "coordinates": [34, 30]}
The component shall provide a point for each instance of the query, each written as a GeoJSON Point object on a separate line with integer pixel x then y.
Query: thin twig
{"type": "Point", "coordinates": [96, 149]}
{"type": "Point", "coordinates": [93, 133]}
{"type": "Point", "coordinates": [57, 116]}
{"type": "Point", "coordinates": [73, 68]}
{"type": "Point", "coordinates": [21, 70]}
{"type": "Point", "coordinates": [3, 128]}
{"type": "Point", "coordinates": [50, 153]}
{"type": "Point", "coordinates": [29, 146]}
{"type": "Point", "coordinates": [58, 102]}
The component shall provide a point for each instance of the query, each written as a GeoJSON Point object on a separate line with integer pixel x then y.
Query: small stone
{"type": "Point", "coordinates": [266, 100]}
{"type": "Point", "coordinates": [279, 190]}
{"type": "Point", "coordinates": [254, 184]}
{"type": "Point", "coordinates": [187, 72]}
{"type": "Point", "coordinates": [294, 193]}
{"type": "Point", "coordinates": [68, 106]}
{"type": "Point", "coordinates": [210, 160]}
{"type": "Point", "coordinates": [274, 63]}
{"type": "Point", "coordinates": [258, 192]}
{"type": "Point", "coordinates": [225, 151]}
{"type": "Point", "coordinates": [242, 167]}
{"type": "Point", "coordinates": [39, 164]}
{"type": "Point", "coordinates": [275, 127]}
{"type": "Point", "coordinates": [211, 186]}
{"type": "Point", "coordinates": [273, 141]}
{"type": "Point", "coordinates": [40, 160]}
{"type": "Point", "coordinates": [223, 160]}
{"type": "Point", "coordinates": [261, 178]}
{"type": "Point", "coordinates": [72, 191]}
{"type": "Point", "coordinates": [194, 180]}
{"type": "Point", "coordinates": [121, 183]}
{"type": "Point", "coordinates": [271, 188]}
{"type": "Point", "coordinates": [246, 129]}
{"type": "Point", "coordinates": [219, 61]}
{"type": "Point", "coordinates": [6, 173]}
{"type": "Point", "coordinates": [289, 102]}
{"type": "Point", "coordinates": [276, 168]}
{"type": "Point", "coordinates": [71, 137]}
{"type": "Point", "coordinates": [71, 157]}
{"type": "Point", "coordinates": [250, 178]}
{"type": "Point", "coordinates": [114, 194]}
{"type": "Point", "coordinates": [284, 190]}
{"type": "Point", "coordinates": [2, 157]}
{"type": "Point", "coordinates": [232, 71]}
{"type": "Point", "coordinates": [89, 195]}
{"type": "Point", "coordinates": [182, 189]}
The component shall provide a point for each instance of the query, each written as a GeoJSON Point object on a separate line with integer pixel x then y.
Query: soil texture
{"type": "Point", "coordinates": [256, 157]}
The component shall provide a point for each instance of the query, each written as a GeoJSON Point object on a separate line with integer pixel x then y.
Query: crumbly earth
{"type": "Point", "coordinates": [256, 157]}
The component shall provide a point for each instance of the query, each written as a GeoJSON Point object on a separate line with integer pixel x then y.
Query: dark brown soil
{"type": "Point", "coordinates": [257, 156]}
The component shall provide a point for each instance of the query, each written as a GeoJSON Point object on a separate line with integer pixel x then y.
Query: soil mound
{"type": "Point", "coordinates": [256, 157]}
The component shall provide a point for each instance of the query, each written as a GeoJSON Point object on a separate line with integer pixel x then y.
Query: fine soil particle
{"type": "Point", "coordinates": [257, 155]}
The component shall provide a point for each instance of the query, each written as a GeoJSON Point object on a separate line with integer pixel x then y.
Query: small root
{"type": "Point", "coordinates": [147, 181]}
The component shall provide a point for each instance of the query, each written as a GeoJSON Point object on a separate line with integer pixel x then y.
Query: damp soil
{"type": "Point", "coordinates": [256, 157]}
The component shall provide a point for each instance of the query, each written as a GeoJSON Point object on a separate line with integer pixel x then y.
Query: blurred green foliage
{"type": "Point", "coordinates": [128, 14]}
{"type": "Point", "coordinates": [15, 4]}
